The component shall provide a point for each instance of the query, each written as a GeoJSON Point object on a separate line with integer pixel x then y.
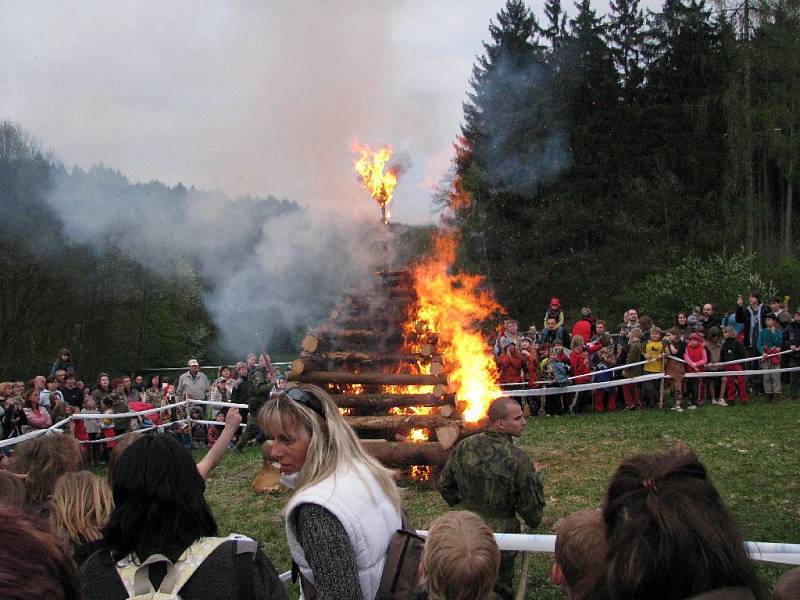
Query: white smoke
{"type": "Point", "coordinates": [269, 264]}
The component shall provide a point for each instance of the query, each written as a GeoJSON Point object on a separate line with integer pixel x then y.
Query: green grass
{"type": "Point", "coordinates": [751, 452]}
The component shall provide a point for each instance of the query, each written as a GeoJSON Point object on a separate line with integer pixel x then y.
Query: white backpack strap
{"type": "Point", "coordinates": [136, 577]}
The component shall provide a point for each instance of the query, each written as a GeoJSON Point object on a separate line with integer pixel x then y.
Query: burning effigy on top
{"type": "Point", "coordinates": [375, 176]}
{"type": "Point", "coordinates": [403, 356]}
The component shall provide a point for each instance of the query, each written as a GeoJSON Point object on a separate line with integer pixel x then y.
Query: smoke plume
{"type": "Point", "coordinates": [267, 264]}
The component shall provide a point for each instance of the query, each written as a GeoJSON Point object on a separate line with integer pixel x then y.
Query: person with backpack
{"type": "Point", "coordinates": [161, 540]}
{"type": "Point", "coordinates": [345, 510]}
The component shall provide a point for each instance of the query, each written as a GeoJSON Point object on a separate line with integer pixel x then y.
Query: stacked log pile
{"type": "Point", "coordinates": [374, 365]}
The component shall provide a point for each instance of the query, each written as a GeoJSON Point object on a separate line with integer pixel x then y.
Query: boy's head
{"type": "Point", "coordinates": [655, 333]}
{"type": "Point", "coordinates": [559, 346]}
{"type": "Point", "coordinates": [525, 343]}
{"type": "Point", "coordinates": [770, 320]}
{"type": "Point", "coordinates": [695, 310]}
{"type": "Point", "coordinates": [580, 547]}
{"type": "Point", "coordinates": [635, 334]}
{"type": "Point", "coordinates": [52, 383]}
{"type": "Point", "coordinates": [713, 333]}
{"type": "Point", "coordinates": [461, 559]}
{"type": "Point", "coordinates": [108, 402]}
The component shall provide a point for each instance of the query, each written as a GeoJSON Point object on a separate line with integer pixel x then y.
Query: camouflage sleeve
{"type": "Point", "coordinates": [260, 384]}
{"type": "Point", "coordinates": [531, 493]}
{"type": "Point", "coordinates": [448, 486]}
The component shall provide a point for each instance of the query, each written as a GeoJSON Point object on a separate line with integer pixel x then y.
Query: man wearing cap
{"type": "Point", "coordinates": [193, 384]}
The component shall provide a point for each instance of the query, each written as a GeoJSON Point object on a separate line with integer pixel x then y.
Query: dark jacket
{"type": "Point", "coordinates": [732, 349]}
{"type": "Point", "coordinates": [743, 317]}
{"type": "Point", "coordinates": [215, 578]}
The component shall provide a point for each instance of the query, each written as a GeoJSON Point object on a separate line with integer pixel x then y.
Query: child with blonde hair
{"type": "Point", "coordinates": [461, 558]}
{"type": "Point", "coordinates": [80, 507]}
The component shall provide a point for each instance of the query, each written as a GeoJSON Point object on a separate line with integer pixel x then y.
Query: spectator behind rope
{"type": "Point", "coordinates": [44, 459]}
{"type": "Point", "coordinates": [670, 535]}
{"type": "Point", "coordinates": [63, 362]}
{"type": "Point", "coordinates": [345, 507]}
{"type": "Point", "coordinates": [80, 508]}
{"type": "Point", "coordinates": [159, 509]}
{"type": "Point", "coordinates": [40, 565]}
{"type": "Point", "coordinates": [461, 558]}
{"type": "Point", "coordinates": [36, 415]}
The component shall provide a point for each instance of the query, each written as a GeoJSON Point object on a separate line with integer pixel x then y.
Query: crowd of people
{"type": "Point", "coordinates": [47, 400]}
{"type": "Point", "coordinates": [146, 530]}
{"type": "Point", "coordinates": [700, 341]}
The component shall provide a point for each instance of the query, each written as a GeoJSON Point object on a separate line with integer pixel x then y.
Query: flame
{"type": "Point", "coordinates": [345, 411]}
{"type": "Point", "coordinates": [370, 168]}
{"type": "Point", "coordinates": [419, 473]}
{"type": "Point", "coordinates": [449, 306]}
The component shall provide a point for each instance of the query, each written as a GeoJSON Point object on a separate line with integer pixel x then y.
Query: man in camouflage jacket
{"type": "Point", "coordinates": [260, 382]}
{"type": "Point", "coordinates": [492, 477]}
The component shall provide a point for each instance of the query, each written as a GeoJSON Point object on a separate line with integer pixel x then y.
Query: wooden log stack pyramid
{"type": "Point", "coordinates": [386, 374]}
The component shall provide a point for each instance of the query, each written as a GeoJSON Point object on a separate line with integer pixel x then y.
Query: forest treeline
{"type": "Point", "coordinates": [644, 159]}
{"type": "Point", "coordinates": [114, 313]}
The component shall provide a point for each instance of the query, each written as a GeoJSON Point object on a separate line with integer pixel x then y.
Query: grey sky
{"type": "Point", "coordinates": [261, 97]}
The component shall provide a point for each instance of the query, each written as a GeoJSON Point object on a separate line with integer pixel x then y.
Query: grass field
{"type": "Point", "coordinates": [752, 453]}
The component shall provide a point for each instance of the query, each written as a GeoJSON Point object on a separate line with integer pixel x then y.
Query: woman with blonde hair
{"type": "Point", "coordinates": [345, 507]}
{"type": "Point", "coordinates": [80, 507]}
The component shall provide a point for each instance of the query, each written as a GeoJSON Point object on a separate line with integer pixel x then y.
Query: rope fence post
{"type": "Point", "coordinates": [661, 383]}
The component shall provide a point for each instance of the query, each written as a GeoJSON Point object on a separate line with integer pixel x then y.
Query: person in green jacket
{"type": "Point", "coordinates": [489, 475]}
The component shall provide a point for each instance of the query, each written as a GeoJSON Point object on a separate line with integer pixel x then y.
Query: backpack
{"type": "Point", "coordinates": [399, 580]}
{"type": "Point", "coordinates": [401, 570]}
{"type": "Point", "coordinates": [135, 576]}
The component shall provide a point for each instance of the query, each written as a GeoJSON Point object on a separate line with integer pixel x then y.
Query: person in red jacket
{"type": "Point", "coordinates": [510, 362]}
{"type": "Point", "coordinates": [579, 367]}
{"type": "Point", "coordinates": [584, 327]}
{"type": "Point", "coordinates": [696, 359]}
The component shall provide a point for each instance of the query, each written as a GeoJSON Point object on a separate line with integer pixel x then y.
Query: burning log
{"type": "Point", "coordinates": [405, 454]}
{"type": "Point", "coordinates": [369, 378]}
{"type": "Point", "coordinates": [312, 343]}
{"type": "Point", "coordinates": [400, 422]}
{"type": "Point", "coordinates": [389, 358]}
{"type": "Point", "coordinates": [387, 401]}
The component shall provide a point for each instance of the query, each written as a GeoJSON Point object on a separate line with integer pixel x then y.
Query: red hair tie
{"type": "Point", "coordinates": [650, 484]}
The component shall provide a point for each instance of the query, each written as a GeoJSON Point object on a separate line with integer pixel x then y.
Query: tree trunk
{"type": "Point", "coordinates": [787, 219]}
{"type": "Point", "coordinates": [406, 454]}
{"type": "Point", "coordinates": [402, 422]}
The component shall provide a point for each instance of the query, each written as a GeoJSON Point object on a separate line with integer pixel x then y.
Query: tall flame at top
{"type": "Point", "coordinates": [379, 183]}
{"type": "Point", "coordinates": [450, 305]}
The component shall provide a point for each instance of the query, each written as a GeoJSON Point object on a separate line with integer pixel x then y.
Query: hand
{"type": "Point", "coordinates": [793, 347]}
{"type": "Point", "coordinates": [233, 418]}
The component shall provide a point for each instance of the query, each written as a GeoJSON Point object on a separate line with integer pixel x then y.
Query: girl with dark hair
{"type": "Point", "coordinates": [162, 525]}
{"type": "Point", "coordinates": [154, 393]}
{"type": "Point", "coordinates": [670, 535]}
{"type": "Point", "coordinates": [63, 362]}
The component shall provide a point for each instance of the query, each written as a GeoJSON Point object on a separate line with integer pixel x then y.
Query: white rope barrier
{"type": "Point", "coordinates": [590, 374]}
{"type": "Point", "coordinates": [125, 415]}
{"type": "Point", "coordinates": [222, 404]}
{"type": "Point", "coordinates": [707, 374]}
{"type": "Point", "coordinates": [218, 423]}
{"type": "Point", "coordinates": [56, 428]}
{"type": "Point", "coordinates": [738, 361]}
{"type": "Point", "coordinates": [581, 387]}
{"type": "Point", "coordinates": [786, 554]}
